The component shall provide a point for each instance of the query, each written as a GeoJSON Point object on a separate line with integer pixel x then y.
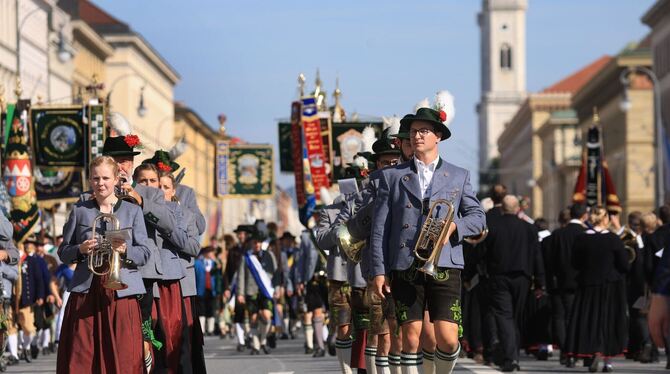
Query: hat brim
{"type": "Point", "coordinates": [121, 153]}
{"type": "Point", "coordinates": [406, 123]}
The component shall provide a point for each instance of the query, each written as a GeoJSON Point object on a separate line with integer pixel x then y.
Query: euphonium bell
{"type": "Point", "coordinates": [103, 259]}
{"type": "Point", "coordinates": [348, 245]}
{"type": "Point", "coordinates": [433, 233]}
{"type": "Point", "coordinates": [629, 239]}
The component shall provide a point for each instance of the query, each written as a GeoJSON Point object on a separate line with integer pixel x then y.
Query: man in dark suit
{"type": "Point", "coordinates": [404, 195]}
{"type": "Point", "coordinates": [561, 275]}
{"type": "Point", "coordinates": [659, 310]}
{"type": "Point", "coordinates": [511, 249]}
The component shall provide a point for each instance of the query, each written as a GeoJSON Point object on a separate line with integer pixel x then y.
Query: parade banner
{"type": "Point", "coordinates": [17, 173]}
{"type": "Point", "coordinates": [54, 185]}
{"type": "Point", "coordinates": [313, 144]}
{"type": "Point", "coordinates": [304, 189]}
{"type": "Point", "coordinates": [347, 142]}
{"type": "Point", "coordinates": [594, 183]}
{"type": "Point", "coordinates": [222, 154]}
{"type": "Point", "coordinates": [286, 145]}
{"type": "Point", "coordinates": [58, 136]}
{"type": "Point", "coordinates": [97, 129]}
{"type": "Point", "coordinates": [250, 171]}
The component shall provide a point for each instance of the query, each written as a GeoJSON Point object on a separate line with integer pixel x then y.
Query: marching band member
{"type": "Point", "coordinates": [182, 245]}
{"type": "Point", "coordinates": [339, 292]}
{"type": "Point", "coordinates": [404, 193]}
{"type": "Point", "coordinates": [562, 276]}
{"type": "Point", "coordinates": [101, 331]}
{"type": "Point", "coordinates": [157, 217]}
{"type": "Point", "coordinates": [9, 258]}
{"type": "Point", "coordinates": [599, 321]}
{"type": "Point", "coordinates": [310, 286]}
{"type": "Point", "coordinates": [254, 291]}
{"type": "Point", "coordinates": [235, 258]}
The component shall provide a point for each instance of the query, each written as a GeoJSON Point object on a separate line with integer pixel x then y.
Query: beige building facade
{"type": "Point", "coordinates": [541, 146]}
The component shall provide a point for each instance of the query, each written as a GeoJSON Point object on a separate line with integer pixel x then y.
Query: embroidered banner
{"type": "Point", "coordinates": [250, 171]}
{"type": "Point", "coordinates": [17, 173]}
{"type": "Point", "coordinates": [222, 153]}
{"type": "Point", "coordinates": [97, 125]}
{"type": "Point", "coordinates": [313, 143]}
{"type": "Point", "coordinates": [58, 136]}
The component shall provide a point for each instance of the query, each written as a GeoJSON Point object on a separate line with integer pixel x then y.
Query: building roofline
{"type": "Point", "coordinates": [92, 39]}
{"type": "Point", "coordinates": [181, 110]}
{"type": "Point", "coordinates": [660, 9]}
{"type": "Point", "coordinates": [136, 40]}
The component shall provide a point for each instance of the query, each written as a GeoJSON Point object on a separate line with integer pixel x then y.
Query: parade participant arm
{"type": "Point", "coordinates": [155, 209]}
{"type": "Point", "coordinates": [10, 272]}
{"type": "Point", "coordinates": [137, 252]}
{"type": "Point", "coordinates": [185, 235]}
{"type": "Point", "coordinates": [8, 252]}
{"type": "Point", "coordinates": [379, 237]}
{"type": "Point", "coordinates": [69, 250]}
{"type": "Point", "coordinates": [325, 231]}
{"type": "Point", "coordinates": [471, 219]}
{"type": "Point", "coordinates": [189, 201]}
{"type": "Point", "coordinates": [659, 311]}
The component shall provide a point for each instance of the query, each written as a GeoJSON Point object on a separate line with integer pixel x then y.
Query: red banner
{"type": "Point", "coordinates": [296, 152]}
{"type": "Point", "coordinates": [311, 125]}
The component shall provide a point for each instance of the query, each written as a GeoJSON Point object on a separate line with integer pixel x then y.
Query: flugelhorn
{"type": "Point", "coordinates": [103, 259]}
{"type": "Point", "coordinates": [433, 233]}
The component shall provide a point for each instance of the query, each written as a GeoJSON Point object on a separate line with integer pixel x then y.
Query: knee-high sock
{"type": "Point", "coordinates": [309, 336]}
{"type": "Point", "coordinates": [239, 332]}
{"type": "Point", "coordinates": [27, 339]}
{"type": "Point", "coordinates": [318, 331]}
{"type": "Point", "coordinates": [202, 324]}
{"type": "Point", "coordinates": [343, 350]}
{"type": "Point", "coordinates": [382, 365]}
{"type": "Point", "coordinates": [445, 362]}
{"type": "Point", "coordinates": [264, 328]}
{"type": "Point", "coordinates": [38, 338]}
{"type": "Point", "coordinates": [428, 362]}
{"type": "Point", "coordinates": [46, 338]}
{"type": "Point", "coordinates": [210, 325]}
{"type": "Point", "coordinates": [394, 362]}
{"type": "Point", "coordinates": [411, 362]}
{"type": "Point", "coordinates": [13, 343]}
{"type": "Point", "coordinates": [254, 338]}
{"type": "Point", "coordinates": [285, 327]}
{"type": "Point", "coordinates": [370, 353]}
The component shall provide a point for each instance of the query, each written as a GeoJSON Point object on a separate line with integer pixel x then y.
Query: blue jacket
{"type": "Point", "coordinates": [398, 215]}
{"type": "Point", "coordinates": [200, 275]}
{"type": "Point", "coordinates": [32, 282]}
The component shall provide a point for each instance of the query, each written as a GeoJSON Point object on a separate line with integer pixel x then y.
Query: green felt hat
{"type": "Point", "coordinates": [427, 115]}
{"type": "Point", "coordinates": [162, 161]}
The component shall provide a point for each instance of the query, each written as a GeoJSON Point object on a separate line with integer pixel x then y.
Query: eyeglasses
{"type": "Point", "coordinates": [422, 132]}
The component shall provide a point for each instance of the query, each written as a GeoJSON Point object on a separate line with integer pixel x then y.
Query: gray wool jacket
{"type": "Point", "coordinates": [79, 228]}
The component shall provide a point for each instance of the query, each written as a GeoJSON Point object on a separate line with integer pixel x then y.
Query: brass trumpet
{"type": "Point", "coordinates": [474, 240]}
{"type": "Point", "coordinates": [103, 259]}
{"type": "Point", "coordinates": [431, 238]}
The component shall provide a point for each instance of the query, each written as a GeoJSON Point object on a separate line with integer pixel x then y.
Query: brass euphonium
{"type": "Point", "coordinates": [433, 233]}
{"type": "Point", "coordinates": [351, 234]}
{"type": "Point", "coordinates": [103, 260]}
{"type": "Point", "coordinates": [629, 239]}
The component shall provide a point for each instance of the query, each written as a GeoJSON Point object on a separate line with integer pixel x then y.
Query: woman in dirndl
{"type": "Point", "coordinates": [101, 331]}
{"type": "Point", "coordinates": [598, 327]}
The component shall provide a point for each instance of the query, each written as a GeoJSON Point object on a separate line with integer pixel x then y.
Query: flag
{"type": "Point", "coordinates": [304, 188]}
{"type": "Point", "coordinates": [18, 173]}
{"type": "Point", "coordinates": [594, 185]}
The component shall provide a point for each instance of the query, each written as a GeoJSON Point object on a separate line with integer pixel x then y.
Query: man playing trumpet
{"type": "Point", "coordinates": [403, 200]}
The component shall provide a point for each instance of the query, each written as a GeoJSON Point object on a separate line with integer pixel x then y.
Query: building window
{"type": "Point", "coordinates": [506, 57]}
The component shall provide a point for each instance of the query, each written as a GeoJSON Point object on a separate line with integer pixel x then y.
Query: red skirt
{"type": "Point", "coordinates": [101, 333]}
{"type": "Point", "coordinates": [171, 313]}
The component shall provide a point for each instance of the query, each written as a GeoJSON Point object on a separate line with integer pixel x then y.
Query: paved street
{"type": "Point", "coordinates": [288, 358]}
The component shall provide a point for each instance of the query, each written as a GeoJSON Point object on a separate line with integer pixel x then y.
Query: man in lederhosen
{"type": "Point", "coordinates": [403, 199]}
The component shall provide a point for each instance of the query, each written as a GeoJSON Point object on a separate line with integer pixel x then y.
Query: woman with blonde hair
{"type": "Point", "coordinates": [598, 327]}
{"type": "Point", "coordinates": [101, 331]}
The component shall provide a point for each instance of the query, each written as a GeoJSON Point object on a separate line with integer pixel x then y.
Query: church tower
{"type": "Point", "coordinates": [502, 25]}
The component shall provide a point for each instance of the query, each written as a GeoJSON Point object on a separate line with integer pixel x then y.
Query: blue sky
{"type": "Point", "coordinates": [242, 58]}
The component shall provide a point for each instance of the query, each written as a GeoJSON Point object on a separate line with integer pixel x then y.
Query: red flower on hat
{"type": "Point", "coordinates": [163, 167]}
{"type": "Point", "coordinates": [132, 140]}
{"type": "Point", "coordinates": [443, 115]}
